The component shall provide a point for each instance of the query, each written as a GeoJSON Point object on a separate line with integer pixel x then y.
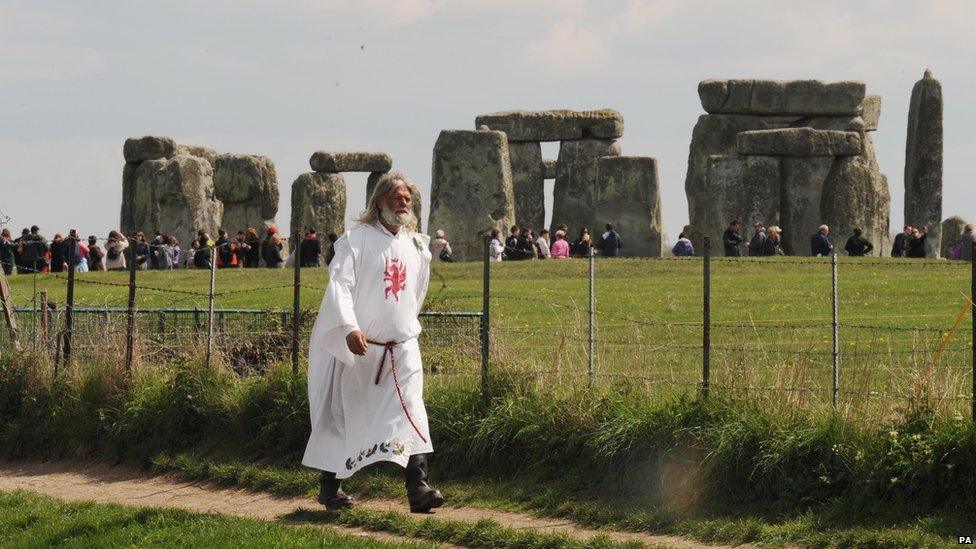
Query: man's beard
{"type": "Point", "coordinates": [390, 217]}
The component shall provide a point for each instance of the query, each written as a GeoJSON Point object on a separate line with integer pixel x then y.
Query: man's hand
{"type": "Point", "coordinates": [356, 342]}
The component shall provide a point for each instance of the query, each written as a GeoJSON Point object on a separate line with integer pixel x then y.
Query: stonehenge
{"type": "Point", "coordinates": [318, 198]}
{"type": "Point", "coordinates": [248, 188]}
{"type": "Point", "coordinates": [167, 189]}
{"type": "Point", "coordinates": [588, 191]}
{"type": "Point", "coordinates": [471, 188]}
{"type": "Point", "coordinates": [923, 162]}
{"type": "Point", "coordinates": [796, 154]}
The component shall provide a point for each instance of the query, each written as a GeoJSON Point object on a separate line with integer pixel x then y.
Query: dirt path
{"type": "Point", "coordinates": [113, 484]}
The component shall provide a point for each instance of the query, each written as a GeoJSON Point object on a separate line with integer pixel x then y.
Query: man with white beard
{"type": "Point", "coordinates": [365, 377]}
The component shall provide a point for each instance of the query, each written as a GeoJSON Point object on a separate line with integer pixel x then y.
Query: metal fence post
{"type": "Point", "coordinates": [706, 315]}
{"type": "Point", "coordinates": [835, 330]}
{"type": "Point", "coordinates": [972, 301]}
{"type": "Point", "coordinates": [485, 315]}
{"type": "Point", "coordinates": [210, 303]}
{"type": "Point", "coordinates": [70, 305]}
{"type": "Point", "coordinates": [592, 348]}
{"type": "Point", "coordinates": [130, 313]}
{"type": "Point", "coordinates": [44, 312]}
{"type": "Point", "coordinates": [296, 317]}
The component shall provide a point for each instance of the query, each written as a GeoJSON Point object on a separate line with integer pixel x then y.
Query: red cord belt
{"type": "Point", "coordinates": [388, 349]}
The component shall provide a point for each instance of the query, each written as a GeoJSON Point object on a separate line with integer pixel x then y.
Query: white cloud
{"type": "Point", "coordinates": [641, 14]}
{"type": "Point", "coordinates": [569, 47]}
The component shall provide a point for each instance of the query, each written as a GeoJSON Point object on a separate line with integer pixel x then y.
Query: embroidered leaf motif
{"type": "Point", "coordinates": [398, 448]}
{"type": "Point", "coordinates": [349, 464]}
{"type": "Point", "coordinates": [372, 450]}
{"type": "Point", "coordinates": [385, 447]}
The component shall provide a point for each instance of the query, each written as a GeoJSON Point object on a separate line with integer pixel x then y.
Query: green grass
{"type": "Point", "coordinates": [720, 470]}
{"type": "Point", "coordinates": [32, 520]}
{"type": "Point", "coordinates": [834, 525]}
{"type": "Point", "coordinates": [771, 334]}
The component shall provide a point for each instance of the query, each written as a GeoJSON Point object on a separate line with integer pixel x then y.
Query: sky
{"type": "Point", "coordinates": [283, 79]}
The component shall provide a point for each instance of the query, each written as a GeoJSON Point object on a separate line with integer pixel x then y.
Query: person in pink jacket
{"type": "Point", "coordinates": [560, 248]}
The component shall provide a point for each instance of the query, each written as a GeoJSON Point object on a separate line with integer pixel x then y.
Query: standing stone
{"type": "Point", "coordinates": [576, 173]}
{"type": "Point", "coordinates": [127, 223]}
{"type": "Point", "coordinates": [798, 142]}
{"type": "Point", "coordinates": [801, 192]}
{"type": "Point", "coordinates": [871, 112]}
{"type": "Point", "coordinates": [855, 194]}
{"type": "Point", "coordinates": [952, 229]}
{"type": "Point", "coordinates": [318, 200]}
{"type": "Point", "coordinates": [628, 195]}
{"type": "Point", "coordinates": [248, 187]}
{"type": "Point", "coordinates": [374, 178]}
{"type": "Point", "coordinates": [923, 162]}
{"type": "Point", "coordinates": [778, 97]}
{"type": "Point", "coordinates": [746, 188]}
{"type": "Point", "coordinates": [528, 183]}
{"type": "Point", "coordinates": [148, 147]}
{"type": "Point", "coordinates": [554, 125]}
{"type": "Point", "coordinates": [714, 134]}
{"type": "Point", "coordinates": [335, 162]}
{"type": "Point", "coordinates": [471, 188]}
{"type": "Point", "coordinates": [196, 150]}
{"type": "Point", "coordinates": [176, 197]}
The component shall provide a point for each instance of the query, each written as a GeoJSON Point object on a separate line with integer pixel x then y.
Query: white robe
{"type": "Point", "coordinates": [377, 284]}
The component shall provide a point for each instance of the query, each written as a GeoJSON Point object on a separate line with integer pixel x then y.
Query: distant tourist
{"type": "Point", "coordinates": [271, 249]}
{"type": "Point", "coordinates": [177, 251]}
{"type": "Point", "coordinates": [203, 250]}
{"type": "Point", "coordinates": [731, 239]}
{"type": "Point", "coordinates": [542, 245]}
{"type": "Point", "coordinates": [683, 247]}
{"type": "Point", "coordinates": [226, 250]}
{"type": "Point", "coordinates": [819, 243]}
{"type": "Point", "coordinates": [916, 244]}
{"type": "Point", "coordinates": [252, 256]}
{"type": "Point", "coordinates": [96, 255]}
{"type": "Point", "coordinates": [163, 252]}
{"type": "Point", "coordinates": [35, 249]}
{"type": "Point", "coordinates": [758, 239]}
{"type": "Point", "coordinates": [496, 250]}
{"type": "Point", "coordinates": [115, 248]}
{"type": "Point", "coordinates": [581, 248]}
{"type": "Point", "coordinates": [965, 241]}
{"type": "Point", "coordinates": [58, 254]}
{"type": "Point", "coordinates": [526, 244]}
{"type": "Point", "coordinates": [610, 243]}
{"type": "Point", "coordinates": [8, 257]}
{"type": "Point", "coordinates": [240, 248]}
{"type": "Point", "coordinates": [560, 248]}
{"type": "Point", "coordinates": [512, 252]}
{"type": "Point", "coordinates": [440, 248]}
{"type": "Point", "coordinates": [310, 249]}
{"type": "Point", "coordinates": [900, 247]}
{"type": "Point", "coordinates": [857, 245]}
{"type": "Point", "coordinates": [771, 244]}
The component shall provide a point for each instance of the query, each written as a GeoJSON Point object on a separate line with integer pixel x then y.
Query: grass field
{"type": "Point", "coordinates": [31, 520]}
{"type": "Point", "coordinates": [905, 328]}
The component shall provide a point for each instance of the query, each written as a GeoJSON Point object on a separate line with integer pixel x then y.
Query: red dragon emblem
{"type": "Point", "coordinates": [396, 275]}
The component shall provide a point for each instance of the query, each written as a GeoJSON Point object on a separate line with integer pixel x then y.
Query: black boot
{"type": "Point", "coordinates": [422, 497]}
{"type": "Point", "coordinates": [331, 494]}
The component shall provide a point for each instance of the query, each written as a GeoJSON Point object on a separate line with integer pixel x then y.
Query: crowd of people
{"type": "Point", "coordinates": [523, 244]}
{"type": "Point", "coordinates": [32, 252]}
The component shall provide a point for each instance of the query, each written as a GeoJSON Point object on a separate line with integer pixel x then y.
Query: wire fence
{"type": "Point", "coordinates": [786, 332]}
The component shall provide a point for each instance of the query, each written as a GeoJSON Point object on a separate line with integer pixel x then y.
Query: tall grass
{"type": "Point", "coordinates": [672, 449]}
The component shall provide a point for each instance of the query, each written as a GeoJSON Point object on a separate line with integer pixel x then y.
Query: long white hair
{"type": "Point", "coordinates": [384, 187]}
